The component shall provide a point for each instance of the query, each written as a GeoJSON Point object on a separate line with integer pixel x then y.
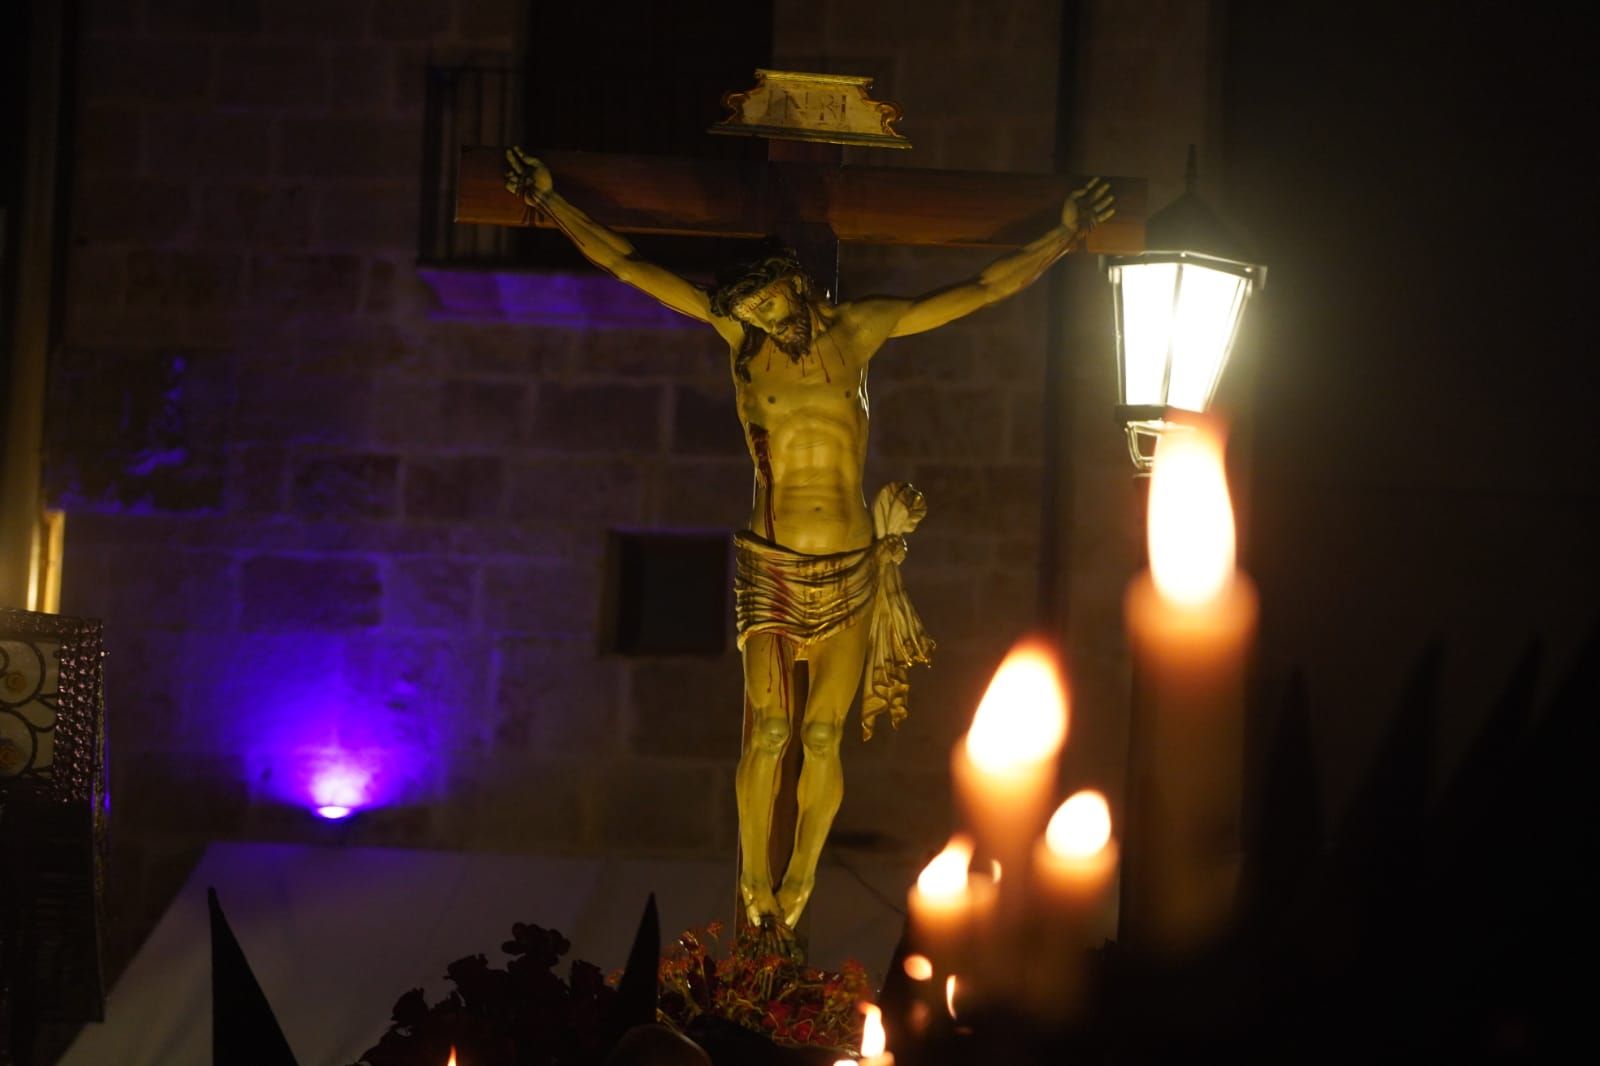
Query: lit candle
{"type": "Point", "coordinates": [874, 1041]}
{"type": "Point", "coordinates": [1005, 767]}
{"type": "Point", "coordinates": [948, 906]}
{"type": "Point", "coordinates": [452, 1061]}
{"type": "Point", "coordinates": [1072, 870]}
{"type": "Point", "coordinates": [1074, 862]}
{"type": "Point", "coordinates": [1191, 621]}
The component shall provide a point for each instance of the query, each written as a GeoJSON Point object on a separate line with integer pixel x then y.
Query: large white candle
{"type": "Point", "coordinates": [1191, 621]}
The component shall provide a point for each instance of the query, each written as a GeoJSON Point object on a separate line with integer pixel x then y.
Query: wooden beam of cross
{"type": "Point", "coordinates": [860, 205]}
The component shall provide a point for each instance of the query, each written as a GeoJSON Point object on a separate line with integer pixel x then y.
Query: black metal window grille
{"type": "Point", "coordinates": [653, 89]}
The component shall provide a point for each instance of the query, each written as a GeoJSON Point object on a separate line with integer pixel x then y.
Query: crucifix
{"type": "Point", "coordinates": [820, 609]}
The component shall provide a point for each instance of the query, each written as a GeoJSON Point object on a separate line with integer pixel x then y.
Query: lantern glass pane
{"type": "Point", "coordinates": [1146, 328]}
{"type": "Point", "coordinates": [1209, 302]}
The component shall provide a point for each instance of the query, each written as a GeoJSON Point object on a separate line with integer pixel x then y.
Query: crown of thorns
{"type": "Point", "coordinates": [751, 277]}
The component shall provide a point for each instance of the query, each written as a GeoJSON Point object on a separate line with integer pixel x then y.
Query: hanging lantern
{"type": "Point", "coordinates": [1178, 308]}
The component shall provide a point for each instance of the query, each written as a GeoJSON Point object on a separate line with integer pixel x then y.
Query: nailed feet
{"type": "Point", "coordinates": [793, 895]}
{"type": "Point", "coordinates": [774, 937]}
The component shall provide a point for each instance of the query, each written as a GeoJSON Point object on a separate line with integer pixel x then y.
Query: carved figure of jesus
{"type": "Point", "coordinates": [817, 572]}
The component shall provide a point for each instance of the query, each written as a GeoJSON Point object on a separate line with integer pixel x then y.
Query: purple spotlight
{"type": "Point", "coordinates": [338, 791]}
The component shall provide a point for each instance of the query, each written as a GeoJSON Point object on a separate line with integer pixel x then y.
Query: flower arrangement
{"type": "Point", "coordinates": [524, 1013]}
{"type": "Point", "coordinates": [527, 1013]}
{"type": "Point", "coordinates": [762, 989]}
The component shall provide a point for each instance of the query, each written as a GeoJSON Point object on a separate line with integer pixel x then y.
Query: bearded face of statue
{"type": "Point", "coordinates": [781, 311]}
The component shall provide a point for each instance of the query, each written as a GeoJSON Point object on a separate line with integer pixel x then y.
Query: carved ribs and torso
{"type": "Point", "coordinates": [805, 423]}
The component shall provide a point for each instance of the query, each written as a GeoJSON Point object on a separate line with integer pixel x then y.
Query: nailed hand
{"type": "Point", "coordinates": [1088, 206]}
{"type": "Point", "coordinates": [526, 177]}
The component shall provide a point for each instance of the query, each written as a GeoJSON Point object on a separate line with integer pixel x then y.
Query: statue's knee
{"type": "Point", "coordinates": [820, 738]}
{"type": "Point", "coordinates": [771, 733]}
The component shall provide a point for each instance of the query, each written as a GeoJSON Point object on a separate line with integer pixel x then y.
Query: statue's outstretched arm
{"type": "Point", "coordinates": [607, 249]}
{"type": "Point", "coordinates": [1084, 209]}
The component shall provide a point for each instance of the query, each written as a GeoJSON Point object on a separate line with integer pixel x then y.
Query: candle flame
{"type": "Point", "coordinates": [994, 870]}
{"type": "Point", "coordinates": [945, 877]}
{"type": "Point", "coordinates": [918, 967]}
{"type": "Point", "coordinates": [873, 1038]}
{"type": "Point", "coordinates": [1023, 716]}
{"type": "Point", "coordinates": [950, 995]}
{"type": "Point", "coordinates": [1081, 826]}
{"type": "Point", "coordinates": [452, 1061]}
{"type": "Point", "coordinates": [1191, 531]}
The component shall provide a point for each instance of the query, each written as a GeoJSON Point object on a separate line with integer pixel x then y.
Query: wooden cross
{"type": "Point", "coordinates": [804, 195]}
{"type": "Point", "coordinates": [858, 205]}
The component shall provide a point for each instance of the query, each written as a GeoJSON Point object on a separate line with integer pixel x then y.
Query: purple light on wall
{"type": "Point", "coordinates": [565, 301]}
{"type": "Point", "coordinates": [334, 781]}
{"type": "Point", "coordinates": [340, 789]}
{"type": "Point", "coordinates": [328, 718]}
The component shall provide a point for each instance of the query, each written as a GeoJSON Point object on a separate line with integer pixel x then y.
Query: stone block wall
{"type": "Point", "coordinates": [337, 536]}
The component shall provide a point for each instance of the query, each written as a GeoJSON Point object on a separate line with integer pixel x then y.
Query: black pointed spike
{"type": "Point", "coordinates": [1349, 935]}
{"type": "Point", "coordinates": [1510, 896]}
{"type": "Point", "coordinates": [1487, 776]}
{"type": "Point", "coordinates": [1570, 722]}
{"type": "Point", "coordinates": [1555, 900]}
{"type": "Point", "coordinates": [244, 1031]}
{"type": "Point", "coordinates": [636, 993]}
{"type": "Point", "coordinates": [895, 997]}
{"type": "Point", "coordinates": [1557, 789]}
{"type": "Point", "coordinates": [1383, 828]}
{"type": "Point", "coordinates": [1289, 835]}
{"type": "Point", "coordinates": [1486, 799]}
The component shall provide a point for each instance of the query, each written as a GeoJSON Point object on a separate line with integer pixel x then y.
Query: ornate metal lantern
{"type": "Point", "coordinates": [1178, 308]}
{"type": "Point", "coordinates": [53, 812]}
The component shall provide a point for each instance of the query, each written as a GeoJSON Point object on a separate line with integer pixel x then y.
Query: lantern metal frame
{"type": "Point", "coordinates": [1145, 423]}
{"type": "Point", "coordinates": [1187, 233]}
{"type": "Point", "coordinates": [54, 814]}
